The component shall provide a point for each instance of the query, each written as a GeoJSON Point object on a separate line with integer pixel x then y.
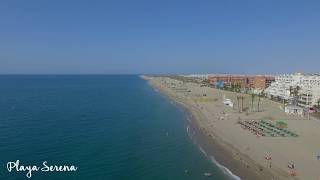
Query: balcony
{"type": "Point", "coordinates": [304, 104]}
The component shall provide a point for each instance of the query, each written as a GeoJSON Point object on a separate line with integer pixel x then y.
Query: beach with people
{"type": "Point", "coordinates": [250, 135]}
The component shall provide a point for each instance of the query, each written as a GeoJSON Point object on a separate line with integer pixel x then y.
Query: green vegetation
{"type": "Point", "coordinates": [281, 124]}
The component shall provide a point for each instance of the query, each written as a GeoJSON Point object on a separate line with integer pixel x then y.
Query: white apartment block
{"type": "Point", "coordinates": [309, 88]}
{"type": "Point", "coordinates": [281, 86]}
{"type": "Point", "coordinates": [309, 96]}
{"type": "Point", "coordinates": [199, 76]}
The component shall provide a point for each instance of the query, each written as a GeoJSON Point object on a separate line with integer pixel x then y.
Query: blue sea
{"type": "Point", "coordinates": [112, 127]}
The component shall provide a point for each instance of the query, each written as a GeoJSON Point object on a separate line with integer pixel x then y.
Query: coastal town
{"type": "Point", "coordinates": [268, 124]}
{"type": "Point", "coordinates": [299, 92]}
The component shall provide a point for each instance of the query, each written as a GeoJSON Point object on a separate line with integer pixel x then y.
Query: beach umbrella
{"type": "Point", "coordinates": [281, 124]}
{"type": "Point", "coordinates": [268, 157]}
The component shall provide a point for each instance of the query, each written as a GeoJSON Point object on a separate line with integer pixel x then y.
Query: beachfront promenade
{"type": "Point", "coordinates": [300, 146]}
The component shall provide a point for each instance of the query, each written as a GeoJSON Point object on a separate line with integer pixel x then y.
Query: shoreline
{"type": "Point", "coordinates": [205, 145]}
{"type": "Point", "coordinates": [216, 149]}
{"type": "Point", "coordinates": [213, 147]}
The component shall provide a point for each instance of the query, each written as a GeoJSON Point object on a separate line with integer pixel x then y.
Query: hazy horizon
{"type": "Point", "coordinates": [151, 37]}
{"type": "Point", "coordinates": [147, 74]}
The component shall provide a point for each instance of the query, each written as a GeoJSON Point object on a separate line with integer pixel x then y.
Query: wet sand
{"type": "Point", "coordinates": [238, 149]}
{"type": "Point", "coordinates": [214, 147]}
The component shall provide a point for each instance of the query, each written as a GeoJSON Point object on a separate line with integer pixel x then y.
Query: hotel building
{"type": "Point", "coordinates": [308, 88]}
{"type": "Point", "coordinates": [255, 82]}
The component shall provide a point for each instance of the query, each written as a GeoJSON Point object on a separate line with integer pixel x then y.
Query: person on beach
{"type": "Point", "coordinates": [291, 165]}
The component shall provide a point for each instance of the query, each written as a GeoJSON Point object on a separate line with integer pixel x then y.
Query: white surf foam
{"type": "Point", "coordinates": [224, 169]}
{"type": "Point", "coordinates": [201, 149]}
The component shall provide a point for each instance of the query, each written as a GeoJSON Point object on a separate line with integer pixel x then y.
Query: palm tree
{"type": "Point", "coordinates": [238, 87]}
{"type": "Point", "coordinates": [252, 100]}
{"type": "Point", "coordinates": [205, 81]}
{"type": "Point", "coordinates": [296, 91]}
{"type": "Point", "coordinates": [242, 102]}
{"type": "Point", "coordinates": [233, 87]}
{"type": "Point", "coordinates": [296, 94]}
{"type": "Point", "coordinates": [238, 100]}
{"type": "Point", "coordinates": [259, 96]}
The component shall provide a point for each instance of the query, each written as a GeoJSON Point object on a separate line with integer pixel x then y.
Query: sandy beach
{"type": "Point", "coordinates": [242, 151]}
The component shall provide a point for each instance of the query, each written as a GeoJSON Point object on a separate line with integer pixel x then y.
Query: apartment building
{"type": "Point", "coordinates": [244, 81]}
{"type": "Point", "coordinates": [307, 87]}
{"type": "Point", "coordinates": [262, 82]}
{"type": "Point", "coordinates": [229, 80]}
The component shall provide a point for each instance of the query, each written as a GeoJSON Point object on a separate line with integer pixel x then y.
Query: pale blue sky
{"type": "Point", "coordinates": [145, 36]}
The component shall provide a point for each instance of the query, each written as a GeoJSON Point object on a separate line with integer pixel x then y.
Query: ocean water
{"type": "Point", "coordinates": [110, 127]}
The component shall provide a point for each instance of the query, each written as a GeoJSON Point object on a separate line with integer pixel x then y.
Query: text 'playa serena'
{"type": "Point", "coordinates": [16, 166]}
